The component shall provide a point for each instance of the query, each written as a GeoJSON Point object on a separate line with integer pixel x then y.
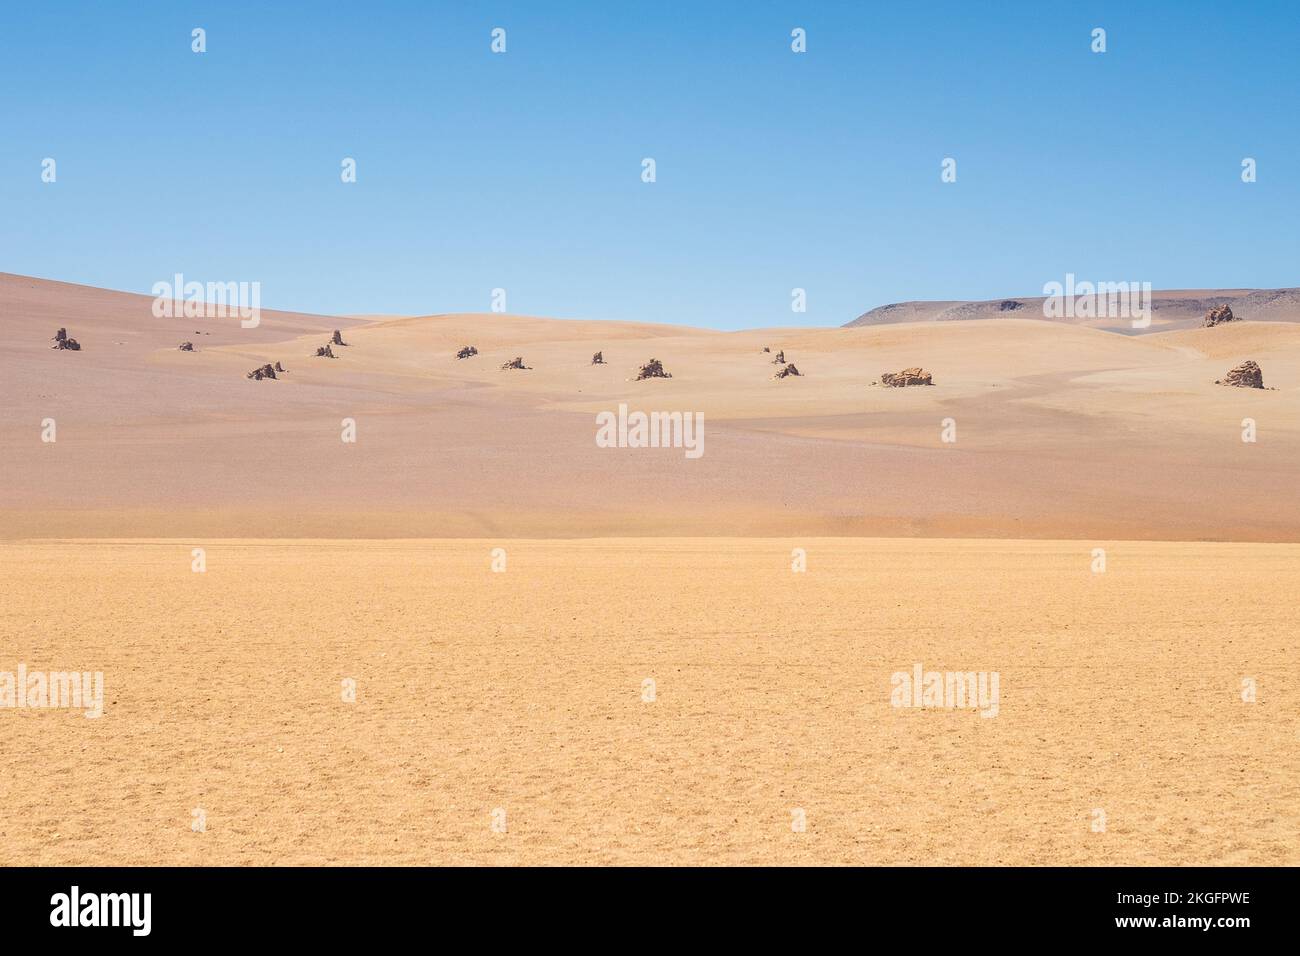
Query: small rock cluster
{"type": "Point", "coordinates": [466, 352]}
{"type": "Point", "coordinates": [61, 341]}
{"type": "Point", "coordinates": [337, 339]}
{"type": "Point", "coordinates": [780, 358]}
{"type": "Point", "coordinates": [257, 374]}
{"type": "Point", "coordinates": [516, 362]}
{"type": "Point", "coordinates": [1219, 315]}
{"type": "Point", "coordinates": [598, 359]}
{"type": "Point", "coordinates": [652, 369]}
{"type": "Point", "coordinates": [186, 347]}
{"type": "Point", "coordinates": [325, 351]}
{"type": "Point", "coordinates": [908, 376]}
{"type": "Point", "coordinates": [1245, 375]}
{"type": "Point", "coordinates": [787, 371]}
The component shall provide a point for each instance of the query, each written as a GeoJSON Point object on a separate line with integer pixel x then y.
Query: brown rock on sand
{"type": "Point", "coordinates": [185, 347]}
{"type": "Point", "coordinates": [280, 368]}
{"type": "Point", "coordinates": [265, 371]}
{"type": "Point", "coordinates": [1219, 315]}
{"type": "Point", "coordinates": [61, 341]}
{"type": "Point", "coordinates": [517, 362]}
{"type": "Point", "coordinates": [337, 339]}
{"type": "Point", "coordinates": [466, 352]}
{"type": "Point", "coordinates": [788, 371]}
{"type": "Point", "coordinates": [780, 358]}
{"type": "Point", "coordinates": [598, 358]}
{"type": "Point", "coordinates": [1245, 375]}
{"type": "Point", "coordinates": [325, 351]}
{"type": "Point", "coordinates": [766, 349]}
{"type": "Point", "coordinates": [652, 369]}
{"type": "Point", "coordinates": [908, 376]}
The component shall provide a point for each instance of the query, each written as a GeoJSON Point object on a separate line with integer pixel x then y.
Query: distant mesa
{"type": "Point", "coordinates": [325, 351]}
{"type": "Point", "coordinates": [337, 339]}
{"type": "Point", "coordinates": [598, 358]}
{"type": "Point", "coordinates": [908, 376]}
{"type": "Point", "coordinates": [1219, 315]}
{"type": "Point", "coordinates": [652, 369]}
{"type": "Point", "coordinates": [185, 347]}
{"type": "Point", "coordinates": [780, 358]}
{"type": "Point", "coordinates": [466, 352]}
{"type": "Point", "coordinates": [516, 362]}
{"type": "Point", "coordinates": [788, 371]}
{"type": "Point", "coordinates": [1245, 375]}
{"type": "Point", "coordinates": [265, 371]}
{"type": "Point", "coordinates": [61, 341]}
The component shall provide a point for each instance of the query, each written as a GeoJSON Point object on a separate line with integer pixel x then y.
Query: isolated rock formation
{"type": "Point", "coordinates": [788, 371]}
{"type": "Point", "coordinates": [1245, 375]}
{"type": "Point", "coordinates": [61, 341]}
{"type": "Point", "coordinates": [466, 352]}
{"type": "Point", "coordinates": [780, 358]}
{"type": "Point", "coordinates": [652, 369]}
{"type": "Point", "coordinates": [337, 339]}
{"type": "Point", "coordinates": [186, 347]}
{"type": "Point", "coordinates": [1219, 315]}
{"type": "Point", "coordinates": [598, 358]}
{"type": "Point", "coordinates": [260, 373]}
{"type": "Point", "coordinates": [516, 362]}
{"type": "Point", "coordinates": [908, 376]}
{"type": "Point", "coordinates": [766, 349]}
{"type": "Point", "coordinates": [280, 368]}
{"type": "Point", "coordinates": [325, 351]}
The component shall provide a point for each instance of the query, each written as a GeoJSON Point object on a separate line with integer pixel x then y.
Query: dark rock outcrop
{"type": "Point", "coordinates": [908, 376]}
{"type": "Point", "coordinates": [787, 371]}
{"type": "Point", "coordinates": [280, 368]}
{"type": "Point", "coordinates": [258, 374]}
{"type": "Point", "coordinates": [598, 358]}
{"type": "Point", "coordinates": [516, 362]}
{"type": "Point", "coordinates": [1218, 315]}
{"type": "Point", "coordinates": [780, 358]}
{"type": "Point", "coordinates": [466, 352]}
{"type": "Point", "coordinates": [652, 369]}
{"type": "Point", "coordinates": [337, 339]}
{"type": "Point", "coordinates": [325, 351]}
{"type": "Point", "coordinates": [1245, 375]}
{"type": "Point", "coordinates": [766, 349]}
{"type": "Point", "coordinates": [185, 347]}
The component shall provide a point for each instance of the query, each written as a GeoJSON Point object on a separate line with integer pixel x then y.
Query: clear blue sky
{"type": "Point", "coordinates": [775, 170]}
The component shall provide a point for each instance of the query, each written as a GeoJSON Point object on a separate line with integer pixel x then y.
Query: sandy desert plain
{"type": "Point", "coordinates": [505, 717]}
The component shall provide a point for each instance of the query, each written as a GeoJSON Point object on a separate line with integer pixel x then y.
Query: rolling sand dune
{"type": "Point", "coordinates": [1061, 431]}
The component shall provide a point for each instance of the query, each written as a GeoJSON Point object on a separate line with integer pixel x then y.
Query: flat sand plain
{"type": "Point", "coordinates": [523, 691]}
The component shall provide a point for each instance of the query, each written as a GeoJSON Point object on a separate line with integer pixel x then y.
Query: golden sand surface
{"type": "Point", "coordinates": [503, 717]}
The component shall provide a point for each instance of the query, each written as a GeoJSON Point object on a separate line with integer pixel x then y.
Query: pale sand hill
{"type": "Point", "coordinates": [1062, 431]}
{"type": "Point", "coordinates": [522, 690]}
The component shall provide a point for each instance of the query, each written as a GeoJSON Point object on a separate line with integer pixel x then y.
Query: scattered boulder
{"type": "Point", "coordinates": [1218, 315]}
{"type": "Point", "coordinates": [516, 362]}
{"type": "Point", "coordinates": [908, 376]}
{"type": "Point", "coordinates": [1245, 375]}
{"type": "Point", "coordinates": [325, 351]}
{"type": "Point", "coordinates": [280, 368]}
{"type": "Point", "coordinates": [652, 369]}
{"type": "Point", "coordinates": [185, 347]}
{"type": "Point", "coordinates": [337, 339]}
{"type": "Point", "coordinates": [466, 352]}
{"type": "Point", "coordinates": [787, 371]}
{"type": "Point", "coordinates": [258, 374]}
{"type": "Point", "coordinates": [780, 358]}
{"type": "Point", "coordinates": [61, 341]}
{"type": "Point", "coordinates": [598, 358]}
{"type": "Point", "coordinates": [766, 349]}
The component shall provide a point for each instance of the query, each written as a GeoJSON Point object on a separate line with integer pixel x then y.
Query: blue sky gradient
{"type": "Point", "coordinates": [775, 170]}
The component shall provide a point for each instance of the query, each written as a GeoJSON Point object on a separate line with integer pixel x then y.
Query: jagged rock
{"type": "Point", "coordinates": [652, 369]}
{"type": "Point", "coordinates": [788, 371]}
{"type": "Point", "coordinates": [908, 376]}
{"type": "Point", "coordinates": [325, 351]}
{"type": "Point", "coordinates": [466, 352]}
{"type": "Point", "coordinates": [766, 349]}
{"type": "Point", "coordinates": [1245, 375]}
{"type": "Point", "coordinates": [264, 371]}
{"type": "Point", "coordinates": [185, 347]}
{"type": "Point", "coordinates": [1219, 315]}
{"type": "Point", "coordinates": [337, 339]}
{"type": "Point", "coordinates": [280, 368]}
{"type": "Point", "coordinates": [61, 341]}
{"type": "Point", "coordinates": [780, 358]}
{"type": "Point", "coordinates": [517, 362]}
{"type": "Point", "coordinates": [598, 359]}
